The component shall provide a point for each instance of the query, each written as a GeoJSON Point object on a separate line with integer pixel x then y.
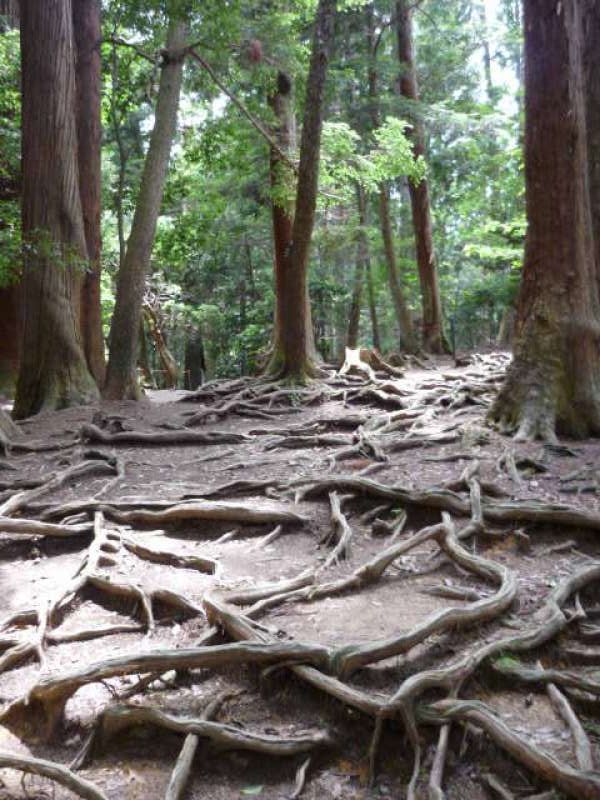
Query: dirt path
{"type": "Point", "coordinates": [407, 596]}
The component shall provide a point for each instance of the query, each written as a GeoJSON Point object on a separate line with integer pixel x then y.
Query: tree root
{"type": "Point", "coordinates": [91, 433]}
{"type": "Point", "coordinates": [249, 513]}
{"type": "Point", "coordinates": [583, 748]}
{"type": "Point", "coordinates": [36, 717]}
{"type": "Point", "coordinates": [183, 767]}
{"type": "Point", "coordinates": [352, 657]}
{"type": "Point", "coordinates": [575, 783]}
{"type": "Point", "coordinates": [116, 718]}
{"type": "Point", "coordinates": [55, 772]}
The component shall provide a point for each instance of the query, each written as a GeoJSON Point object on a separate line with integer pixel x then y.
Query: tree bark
{"type": "Point", "coordinates": [297, 362]}
{"type": "Point", "coordinates": [433, 334]}
{"type": "Point", "coordinates": [373, 308]}
{"type": "Point", "coordinates": [53, 371]}
{"type": "Point", "coordinates": [121, 378]}
{"type": "Point", "coordinates": [86, 26]}
{"type": "Point", "coordinates": [362, 257]}
{"type": "Point", "coordinates": [554, 380]}
{"type": "Point", "coordinates": [591, 66]}
{"type": "Point", "coordinates": [10, 337]}
{"type": "Point", "coordinates": [408, 340]}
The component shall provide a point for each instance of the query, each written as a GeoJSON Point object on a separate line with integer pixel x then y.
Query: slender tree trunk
{"type": "Point", "coordinates": [121, 378]}
{"type": "Point", "coordinates": [297, 362]}
{"type": "Point", "coordinates": [408, 340]}
{"type": "Point", "coordinates": [362, 257]}
{"type": "Point", "coordinates": [121, 152]}
{"type": "Point", "coordinates": [373, 308]}
{"type": "Point", "coordinates": [433, 334]}
{"type": "Point", "coordinates": [554, 380]}
{"type": "Point", "coordinates": [195, 366]}
{"type": "Point", "coordinates": [282, 180]}
{"type": "Point", "coordinates": [53, 371]}
{"type": "Point", "coordinates": [86, 26]}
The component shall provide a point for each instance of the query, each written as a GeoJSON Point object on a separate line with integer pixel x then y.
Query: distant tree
{"type": "Point", "coordinates": [53, 370]}
{"type": "Point", "coordinates": [121, 376]}
{"type": "Point", "coordinates": [553, 383]}
{"type": "Point", "coordinates": [432, 325]}
{"type": "Point", "coordinates": [408, 339]}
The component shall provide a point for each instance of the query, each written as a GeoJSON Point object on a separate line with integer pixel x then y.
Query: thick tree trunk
{"type": "Point", "coordinates": [554, 380]}
{"type": "Point", "coordinates": [86, 26]}
{"type": "Point", "coordinates": [10, 337]}
{"type": "Point", "coordinates": [53, 371]}
{"type": "Point", "coordinates": [362, 257]}
{"type": "Point", "coordinates": [297, 360]}
{"type": "Point", "coordinates": [121, 378]}
{"type": "Point", "coordinates": [408, 340]}
{"type": "Point", "coordinates": [591, 65]}
{"type": "Point", "coordinates": [433, 334]}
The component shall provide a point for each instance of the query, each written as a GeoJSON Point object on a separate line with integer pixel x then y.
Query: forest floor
{"type": "Point", "coordinates": [415, 596]}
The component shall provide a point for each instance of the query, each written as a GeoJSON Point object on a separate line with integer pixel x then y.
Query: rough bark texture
{"type": "Point", "coordinates": [53, 371]}
{"type": "Point", "coordinates": [554, 380]}
{"type": "Point", "coordinates": [591, 66]}
{"type": "Point", "coordinates": [408, 339]}
{"type": "Point", "coordinates": [362, 258]}
{"type": "Point", "coordinates": [10, 337]}
{"type": "Point", "coordinates": [283, 215]}
{"type": "Point", "coordinates": [86, 27]}
{"type": "Point", "coordinates": [296, 362]}
{"type": "Point", "coordinates": [121, 378]}
{"type": "Point", "coordinates": [433, 334]}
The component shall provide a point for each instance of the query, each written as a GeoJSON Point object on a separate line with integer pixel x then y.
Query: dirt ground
{"type": "Point", "coordinates": [135, 763]}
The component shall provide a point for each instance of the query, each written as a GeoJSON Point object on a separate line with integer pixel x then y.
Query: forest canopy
{"type": "Point", "coordinates": [209, 286]}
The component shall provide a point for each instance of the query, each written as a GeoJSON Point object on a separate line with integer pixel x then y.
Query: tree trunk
{"type": "Point", "coordinates": [433, 334]}
{"type": "Point", "coordinates": [408, 340]}
{"type": "Point", "coordinates": [591, 64]}
{"type": "Point", "coordinates": [297, 361]}
{"type": "Point", "coordinates": [554, 380]}
{"type": "Point", "coordinates": [53, 371]}
{"type": "Point", "coordinates": [195, 366]}
{"type": "Point", "coordinates": [86, 26]}
{"type": "Point", "coordinates": [282, 179]}
{"type": "Point", "coordinates": [362, 257]}
{"type": "Point", "coordinates": [373, 308]}
{"type": "Point", "coordinates": [169, 366]}
{"type": "Point", "coordinates": [10, 337]}
{"type": "Point", "coordinates": [121, 379]}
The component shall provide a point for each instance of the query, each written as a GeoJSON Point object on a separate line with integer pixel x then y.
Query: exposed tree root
{"type": "Point", "coordinates": [54, 772]}
{"type": "Point", "coordinates": [183, 767]}
{"type": "Point", "coordinates": [91, 433]}
{"type": "Point", "coordinates": [116, 718]}
{"type": "Point", "coordinates": [37, 716]}
{"type": "Point", "coordinates": [575, 783]}
{"type": "Point", "coordinates": [249, 513]}
{"type": "Point", "coordinates": [583, 748]}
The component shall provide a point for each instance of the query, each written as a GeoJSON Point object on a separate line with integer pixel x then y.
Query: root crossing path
{"type": "Point", "coordinates": [350, 590]}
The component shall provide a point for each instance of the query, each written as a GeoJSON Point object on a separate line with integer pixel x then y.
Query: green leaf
{"type": "Point", "coordinates": [252, 790]}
